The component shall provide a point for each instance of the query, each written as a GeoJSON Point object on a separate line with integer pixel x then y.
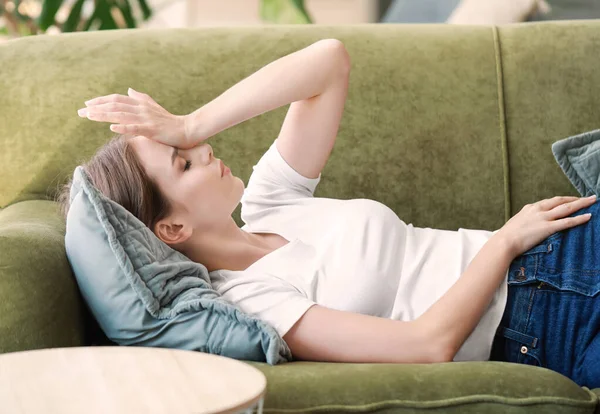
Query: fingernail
{"type": "Point", "coordinates": [592, 196]}
{"type": "Point", "coordinates": [87, 102]}
{"type": "Point", "coordinates": [81, 112]}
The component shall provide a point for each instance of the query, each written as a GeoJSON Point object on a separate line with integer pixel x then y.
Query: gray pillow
{"type": "Point", "coordinates": [144, 293]}
{"type": "Point", "coordinates": [579, 157]}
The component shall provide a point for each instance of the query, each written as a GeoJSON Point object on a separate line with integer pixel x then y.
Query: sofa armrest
{"type": "Point", "coordinates": [446, 387]}
{"type": "Point", "coordinates": [40, 303]}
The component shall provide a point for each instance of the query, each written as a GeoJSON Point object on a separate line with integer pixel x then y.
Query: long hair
{"type": "Point", "coordinates": [116, 171]}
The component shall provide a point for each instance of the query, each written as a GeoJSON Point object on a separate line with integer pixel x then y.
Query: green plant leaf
{"type": "Point", "coordinates": [108, 23]}
{"type": "Point", "coordinates": [101, 17]}
{"type": "Point", "coordinates": [146, 12]}
{"type": "Point", "coordinates": [49, 10]}
{"type": "Point", "coordinates": [300, 6]}
{"type": "Point", "coordinates": [101, 14]}
{"type": "Point", "coordinates": [125, 8]}
{"type": "Point", "coordinates": [72, 21]}
{"type": "Point", "coordinates": [106, 20]}
{"type": "Point", "coordinates": [91, 19]}
{"type": "Point", "coordinates": [284, 11]}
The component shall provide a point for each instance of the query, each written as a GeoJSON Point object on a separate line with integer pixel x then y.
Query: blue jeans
{"type": "Point", "coordinates": [552, 315]}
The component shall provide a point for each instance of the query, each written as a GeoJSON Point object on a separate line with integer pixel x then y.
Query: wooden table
{"type": "Point", "coordinates": [118, 379]}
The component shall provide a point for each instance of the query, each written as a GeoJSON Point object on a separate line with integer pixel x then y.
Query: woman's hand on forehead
{"type": "Point", "coordinates": [137, 114]}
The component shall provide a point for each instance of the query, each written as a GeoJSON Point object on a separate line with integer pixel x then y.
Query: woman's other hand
{"type": "Point", "coordinates": [138, 114]}
{"type": "Point", "coordinates": [535, 222]}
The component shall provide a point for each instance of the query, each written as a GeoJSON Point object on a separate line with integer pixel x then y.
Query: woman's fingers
{"type": "Point", "coordinates": [132, 129]}
{"type": "Point", "coordinates": [133, 97]}
{"type": "Point", "coordinates": [135, 113]}
{"type": "Point", "coordinates": [114, 117]}
{"type": "Point", "coordinates": [566, 209]}
{"type": "Point", "coordinates": [142, 97]}
{"type": "Point", "coordinates": [115, 97]}
{"type": "Point", "coordinates": [109, 107]}
{"type": "Point", "coordinates": [568, 222]}
{"type": "Point", "coordinates": [550, 203]}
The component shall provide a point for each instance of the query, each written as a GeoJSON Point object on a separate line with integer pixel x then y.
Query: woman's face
{"type": "Point", "coordinates": [191, 180]}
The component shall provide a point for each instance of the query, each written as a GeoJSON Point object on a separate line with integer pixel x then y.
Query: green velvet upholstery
{"type": "Point", "coordinates": [450, 126]}
{"type": "Point", "coordinates": [40, 305]}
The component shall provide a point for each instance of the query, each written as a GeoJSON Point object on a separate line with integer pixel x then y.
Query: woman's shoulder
{"type": "Point", "coordinates": [273, 174]}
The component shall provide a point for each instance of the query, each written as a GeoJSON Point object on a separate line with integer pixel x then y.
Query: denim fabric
{"type": "Point", "coordinates": [552, 315]}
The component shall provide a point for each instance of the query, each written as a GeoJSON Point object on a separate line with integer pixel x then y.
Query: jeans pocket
{"type": "Point", "coordinates": [567, 269]}
{"type": "Point", "coordinates": [546, 246]}
{"type": "Point", "coordinates": [520, 347]}
{"type": "Point", "coordinates": [524, 269]}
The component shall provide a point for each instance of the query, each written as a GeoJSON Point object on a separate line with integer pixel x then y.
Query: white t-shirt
{"type": "Point", "coordinates": [352, 255]}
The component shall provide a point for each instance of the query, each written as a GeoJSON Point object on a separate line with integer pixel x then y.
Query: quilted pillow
{"type": "Point", "coordinates": [144, 293]}
{"type": "Point", "coordinates": [579, 158]}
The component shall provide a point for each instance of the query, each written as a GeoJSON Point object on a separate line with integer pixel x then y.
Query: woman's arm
{"type": "Point", "coordinates": [294, 77]}
{"type": "Point", "coordinates": [323, 334]}
{"type": "Point", "coordinates": [453, 317]}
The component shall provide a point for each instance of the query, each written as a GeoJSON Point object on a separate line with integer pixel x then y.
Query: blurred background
{"type": "Point", "coordinates": [34, 17]}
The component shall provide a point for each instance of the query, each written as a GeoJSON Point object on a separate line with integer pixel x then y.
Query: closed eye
{"type": "Point", "coordinates": [187, 165]}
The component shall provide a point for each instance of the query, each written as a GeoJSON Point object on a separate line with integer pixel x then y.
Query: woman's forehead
{"type": "Point", "coordinates": [158, 154]}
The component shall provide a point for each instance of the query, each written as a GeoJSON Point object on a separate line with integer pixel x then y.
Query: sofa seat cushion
{"type": "Point", "coordinates": [453, 387]}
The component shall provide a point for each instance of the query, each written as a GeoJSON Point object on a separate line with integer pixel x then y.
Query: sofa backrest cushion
{"type": "Point", "coordinates": [449, 125]}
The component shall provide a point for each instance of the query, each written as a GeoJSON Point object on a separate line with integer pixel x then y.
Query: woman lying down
{"type": "Point", "coordinates": [347, 280]}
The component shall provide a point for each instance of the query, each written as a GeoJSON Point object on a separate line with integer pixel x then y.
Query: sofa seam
{"type": "Point", "coordinates": [502, 123]}
{"type": "Point", "coordinates": [477, 399]}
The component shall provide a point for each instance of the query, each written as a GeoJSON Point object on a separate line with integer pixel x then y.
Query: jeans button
{"type": "Point", "coordinates": [521, 276]}
{"type": "Point", "coordinates": [523, 349]}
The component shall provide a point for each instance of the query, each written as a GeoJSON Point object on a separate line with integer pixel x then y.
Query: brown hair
{"type": "Point", "coordinates": [116, 171]}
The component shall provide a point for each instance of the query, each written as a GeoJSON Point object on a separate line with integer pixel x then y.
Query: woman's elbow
{"type": "Point", "coordinates": [323, 334]}
{"type": "Point", "coordinates": [442, 355]}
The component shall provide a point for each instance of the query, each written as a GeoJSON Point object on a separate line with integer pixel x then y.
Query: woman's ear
{"type": "Point", "coordinates": [172, 232]}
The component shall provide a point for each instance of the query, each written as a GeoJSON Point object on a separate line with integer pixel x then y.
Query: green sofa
{"type": "Point", "coordinates": [450, 126]}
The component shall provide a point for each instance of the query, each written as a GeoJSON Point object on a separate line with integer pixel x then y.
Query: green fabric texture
{"type": "Point", "coordinates": [429, 91]}
{"type": "Point", "coordinates": [551, 92]}
{"type": "Point", "coordinates": [40, 304]}
{"type": "Point", "coordinates": [454, 387]}
{"type": "Point", "coordinates": [446, 112]}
